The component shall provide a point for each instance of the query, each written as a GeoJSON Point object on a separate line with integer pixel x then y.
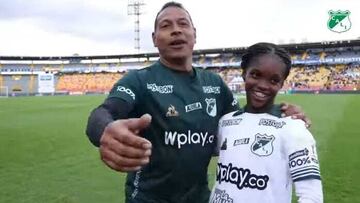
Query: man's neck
{"type": "Point", "coordinates": [180, 64]}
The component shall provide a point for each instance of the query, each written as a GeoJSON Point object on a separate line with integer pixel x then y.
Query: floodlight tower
{"type": "Point", "coordinates": [134, 8]}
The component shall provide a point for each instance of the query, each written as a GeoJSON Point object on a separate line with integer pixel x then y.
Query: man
{"type": "Point", "coordinates": [166, 154]}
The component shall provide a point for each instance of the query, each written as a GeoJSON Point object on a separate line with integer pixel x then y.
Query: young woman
{"type": "Point", "coordinates": [261, 154]}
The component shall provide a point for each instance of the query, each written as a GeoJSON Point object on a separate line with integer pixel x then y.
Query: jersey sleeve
{"type": "Point", "coordinates": [309, 191]}
{"type": "Point", "coordinates": [127, 88]}
{"type": "Point", "coordinates": [112, 109]}
{"type": "Point", "coordinates": [300, 148]}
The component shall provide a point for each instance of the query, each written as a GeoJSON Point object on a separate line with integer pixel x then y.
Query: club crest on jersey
{"type": "Point", "coordinates": [211, 106]}
{"type": "Point", "coordinates": [172, 111]}
{"type": "Point", "coordinates": [263, 145]}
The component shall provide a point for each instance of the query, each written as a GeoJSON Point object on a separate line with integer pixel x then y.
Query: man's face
{"type": "Point", "coordinates": [174, 34]}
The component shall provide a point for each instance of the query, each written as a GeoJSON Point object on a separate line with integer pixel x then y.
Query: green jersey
{"type": "Point", "coordinates": [185, 112]}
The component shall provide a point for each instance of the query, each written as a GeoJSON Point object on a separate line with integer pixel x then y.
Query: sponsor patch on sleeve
{"type": "Point", "coordinates": [304, 164]}
{"type": "Point", "coordinates": [127, 91]}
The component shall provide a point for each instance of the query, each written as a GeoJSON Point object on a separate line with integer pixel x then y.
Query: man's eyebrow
{"type": "Point", "coordinates": [179, 19]}
{"type": "Point", "coordinates": [164, 20]}
{"type": "Point", "coordinates": [185, 19]}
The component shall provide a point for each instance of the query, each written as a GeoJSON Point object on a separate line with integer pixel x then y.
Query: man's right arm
{"type": "Point", "coordinates": [119, 138]}
{"type": "Point", "coordinates": [112, 109]}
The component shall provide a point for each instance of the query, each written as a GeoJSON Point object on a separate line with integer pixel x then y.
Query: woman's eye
{"type": "Point", "coordinates": [275, 81]}
{"type": "Point", "coordinates": [254, 75]}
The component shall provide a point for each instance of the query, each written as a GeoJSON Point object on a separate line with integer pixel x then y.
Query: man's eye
{"type": "Point", "coordinates": [184, 23]}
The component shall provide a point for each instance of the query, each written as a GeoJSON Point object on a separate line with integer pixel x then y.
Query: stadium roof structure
{"type": "Point", "coordinates": [235, 50]}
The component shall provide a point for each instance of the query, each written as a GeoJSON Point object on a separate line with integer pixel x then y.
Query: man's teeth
{"type": "Point", "coordinates": [260, 94]}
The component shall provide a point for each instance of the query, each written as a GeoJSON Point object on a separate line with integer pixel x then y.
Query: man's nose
{"type": "Point", "coordinates": [176, 29]}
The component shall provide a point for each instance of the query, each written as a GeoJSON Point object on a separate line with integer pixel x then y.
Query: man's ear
{"type": "Point", "coordinates": [153, 38]}
{"type": "Point", "coordinates": [195, 34]}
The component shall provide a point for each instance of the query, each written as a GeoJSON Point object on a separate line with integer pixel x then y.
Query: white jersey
{"type": "Point", "coordinates": [260, 156]}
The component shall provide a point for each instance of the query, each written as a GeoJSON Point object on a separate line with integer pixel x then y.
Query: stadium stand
{"type": "Point", "coordinates": [317, 67]}
{"type": "Point", "coordinates": [90, 82]}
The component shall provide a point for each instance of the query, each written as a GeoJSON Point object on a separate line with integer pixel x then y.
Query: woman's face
{"type": "Point", "coordinates": [264, 77]}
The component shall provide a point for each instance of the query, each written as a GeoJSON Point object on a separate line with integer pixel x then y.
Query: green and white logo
{"type": "Point", "coordinates": [339, 21]}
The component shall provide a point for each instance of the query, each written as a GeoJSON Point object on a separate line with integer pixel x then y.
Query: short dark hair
{"type": "Point", "coordinates": [171, 4]}
{"type": "Point", "coordinates": [263, 48]}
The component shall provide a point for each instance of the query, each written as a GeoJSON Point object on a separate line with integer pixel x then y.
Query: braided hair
{"type": "Point", "coordinates": [262, 48]}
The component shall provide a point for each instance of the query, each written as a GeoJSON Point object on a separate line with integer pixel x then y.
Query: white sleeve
{"type": "Point", "coordinates": [300, 148]}
{"type": "Point", "coordinates": [309, 191]}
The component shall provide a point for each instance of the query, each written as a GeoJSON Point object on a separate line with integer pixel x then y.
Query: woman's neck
{"type": "Point", "coordinates": [251, 109]}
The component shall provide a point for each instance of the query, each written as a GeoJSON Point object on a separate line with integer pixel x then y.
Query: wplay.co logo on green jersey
{"type": "Point", "coordinates": [339, 21]}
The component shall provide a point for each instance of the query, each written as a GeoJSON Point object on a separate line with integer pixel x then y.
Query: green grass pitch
{"type": "Point", "coordinates": [45, 155]}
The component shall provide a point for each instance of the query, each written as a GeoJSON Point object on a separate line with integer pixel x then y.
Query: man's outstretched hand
{"type": "Point", "coordinates": [121, 146]}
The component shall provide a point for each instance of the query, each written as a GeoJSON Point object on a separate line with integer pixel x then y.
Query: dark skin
{"type": "Point", "coordinates": [121, 146]}
{"type": "Point", "coordinates": [263, 78]}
